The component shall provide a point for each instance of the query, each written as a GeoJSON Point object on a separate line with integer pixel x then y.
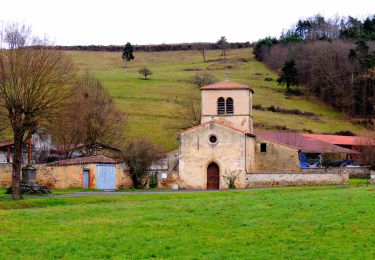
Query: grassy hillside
{"type": "Point", "coordinates": [151, 104]}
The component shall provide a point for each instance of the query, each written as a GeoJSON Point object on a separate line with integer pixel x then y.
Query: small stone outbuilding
{"type": "Point", "coordinates": [98, 172]}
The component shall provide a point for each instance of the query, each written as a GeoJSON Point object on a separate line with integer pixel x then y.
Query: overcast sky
{"type": "Point", "coordinates": [72, 22]}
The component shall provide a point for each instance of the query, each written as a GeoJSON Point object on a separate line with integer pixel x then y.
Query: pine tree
{"type": "Point", "coordinates": [288, 75]}
{"type": "Point", "coordinates": [127, 53]}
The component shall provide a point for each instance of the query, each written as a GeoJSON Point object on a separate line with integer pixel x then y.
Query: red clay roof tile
{"type": "Point", "coordinates": [226, 85]}
{"type": "Point", "coordinates": [84, 160]}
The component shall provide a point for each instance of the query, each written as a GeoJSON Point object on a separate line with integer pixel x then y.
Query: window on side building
{"type": "Point", "coordinates": [263, 147]}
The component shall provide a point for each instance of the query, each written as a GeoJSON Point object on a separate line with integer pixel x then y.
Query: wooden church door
{"type": "Point", "coordinates": [213, 176]}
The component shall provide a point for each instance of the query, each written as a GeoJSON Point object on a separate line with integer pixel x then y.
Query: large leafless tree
{"type": "Point", "coordinates": [34, 85]}
{"type": "Point", "coordinates": [91, 118]}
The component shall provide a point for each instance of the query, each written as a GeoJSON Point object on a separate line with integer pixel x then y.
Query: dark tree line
{"type": "Point", "coordinates": [334, 58]}
{"type": "Point", "coordinates": [155, 48]}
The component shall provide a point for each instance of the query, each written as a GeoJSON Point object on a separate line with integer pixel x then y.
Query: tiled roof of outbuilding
{"type": "Point", "coordinates": [84, 160]}
{"type": "Point", "coordinates": [6, 143]}
{"type": "Point", "coordinates": [343, 140]}
{"type": "Point", "coordinates": [305, 143]}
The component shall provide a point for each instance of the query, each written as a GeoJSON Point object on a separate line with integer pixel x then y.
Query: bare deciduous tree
{"type": "Point", "coordinates": [90, 118]}
{"type": "Point", "coordinates": [188, 115]}
{"type": "Point", "coordinates": [34, 86]}
{"type": "Point", "coordinates": [367, 156]}
{"type": "Point", "coordinates": [203, 79]}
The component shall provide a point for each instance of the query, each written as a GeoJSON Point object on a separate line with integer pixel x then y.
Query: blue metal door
{"type": "Point", "coordinates": [105, 177]}
{"type": "Point", "coordinates": [86, 176]}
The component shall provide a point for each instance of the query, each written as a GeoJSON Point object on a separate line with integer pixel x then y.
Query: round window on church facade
{"type": "Point", "coordinates": [213, 139]}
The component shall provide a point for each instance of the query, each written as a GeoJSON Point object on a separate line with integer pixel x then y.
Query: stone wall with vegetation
{"type": "Point", "coordinates": [295, 179]}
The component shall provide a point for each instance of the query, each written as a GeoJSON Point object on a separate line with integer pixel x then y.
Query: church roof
{"type": "Point", "coordinates": [219, 123]}
{"type": "Point", "coordinates": [226, 84]}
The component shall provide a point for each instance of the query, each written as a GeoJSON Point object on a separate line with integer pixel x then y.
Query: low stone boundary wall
{"type": "Point", "coordinates": [295, 179]}
{"type": "Point", "coordinates": [354, 172]}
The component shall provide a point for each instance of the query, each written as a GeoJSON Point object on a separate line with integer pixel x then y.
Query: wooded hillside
{"type": "Point", "coordinates": [335, 60]}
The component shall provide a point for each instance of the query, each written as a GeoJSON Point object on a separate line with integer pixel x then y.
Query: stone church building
{"type": "Point", "coordinates": [224, 145]}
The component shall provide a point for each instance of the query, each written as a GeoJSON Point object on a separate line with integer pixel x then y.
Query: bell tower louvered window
{"type": "Point", "coordinates": [220, 106]}
{"type": "Point", "coordinates": [229, 106]}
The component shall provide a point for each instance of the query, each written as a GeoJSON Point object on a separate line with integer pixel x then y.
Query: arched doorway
{"type": "Point", "coordinates": [213, 176]}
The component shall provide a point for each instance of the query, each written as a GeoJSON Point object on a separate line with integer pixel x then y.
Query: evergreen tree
{"type": "Point", "coordinates": [288, 75]}
{"type": "Point", "coordinates": [127, 53]}
{"type": "Point", "coordinates": [223, 44]}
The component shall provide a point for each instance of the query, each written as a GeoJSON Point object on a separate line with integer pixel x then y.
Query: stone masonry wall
{"type": "Point", "coordinates": [277, 158]}
{"type": "Point", "coordinates": [196, 153]}
{"type": "Point", "coordinates": [354, 172]}
{"type": "Point", "coordinates": [61, 177]}
{"type": "Point", "coordinates": [295, 179]}
{"type": "Point", "coordinates": [5, 175]}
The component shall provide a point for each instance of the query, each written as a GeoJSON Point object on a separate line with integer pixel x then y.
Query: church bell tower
{"type": "Point", "coordinates": [228, 102]}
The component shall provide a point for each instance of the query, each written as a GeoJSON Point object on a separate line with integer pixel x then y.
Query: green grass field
{"type": "Point", "coordinates": [151, 104]}
{"type": "Point", "coordinates": [330, 222]}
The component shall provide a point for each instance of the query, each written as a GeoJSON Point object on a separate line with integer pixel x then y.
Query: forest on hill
{"type": "Point", "coordinates": [334, 59]}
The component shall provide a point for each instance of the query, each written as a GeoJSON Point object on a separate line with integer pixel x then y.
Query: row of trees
{"type": "Point", "coordinates": [156, 47]}
{"type": "Point", "coordinates": [339, 71]}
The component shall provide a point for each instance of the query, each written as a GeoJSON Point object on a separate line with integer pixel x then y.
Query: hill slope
{"type": "Point", "coordinates": [151, 104]}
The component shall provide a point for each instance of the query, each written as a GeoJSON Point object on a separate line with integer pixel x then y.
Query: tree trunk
{"type": "Point", "coordinates": [204, 55]}
{"type": "Point", "coordinates": [16, 166]}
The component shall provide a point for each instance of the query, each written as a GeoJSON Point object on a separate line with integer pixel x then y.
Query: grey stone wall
{"type": "Point", "coordinates": [295, 179]}
{"type": "Point", "coordinates": [354, 172]}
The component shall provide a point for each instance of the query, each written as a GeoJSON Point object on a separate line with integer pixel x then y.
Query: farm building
{"type": "Point", "coordinates": [98, 172]}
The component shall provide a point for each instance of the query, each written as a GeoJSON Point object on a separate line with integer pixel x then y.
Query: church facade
{"type": "Point", "coordinates": [223, 148]}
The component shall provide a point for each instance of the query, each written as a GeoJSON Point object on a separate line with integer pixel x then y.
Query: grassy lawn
{"type": "Point", "coordinates": [151, 104]}
{"type": "Point", "coordinates": [359, 182]}
{"type": "Point", "coordinates": [313, 222]}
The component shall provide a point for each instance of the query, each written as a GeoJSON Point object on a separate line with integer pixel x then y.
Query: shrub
{"type": "Point", "coordinates": [29, 188]}
{"type": "Point", "coordinates": [202, 79]}
{"type": "Point", "coordinates": [345, 133]}
{"type": "Point", "coordinates": [153, 181]}
{"type": "Point", "coordinates": [139, 155]}
{"type": "Point", "coordinates": [231, 177]}
{"type": "Point", "coordinates": [145, 72]}
{"type": "Point", "coordinates": [308, 131]}
{"type": "Point", "coordinates": [272, 109]}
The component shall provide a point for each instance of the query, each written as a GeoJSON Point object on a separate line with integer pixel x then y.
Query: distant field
{"type": "Point", "coordinates": [290, 223]}
{"type": "Point", "coordinates": [151, 104]}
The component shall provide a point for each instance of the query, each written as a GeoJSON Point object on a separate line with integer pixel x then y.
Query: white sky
{"type": "Point", "coordinates": [85, 22]}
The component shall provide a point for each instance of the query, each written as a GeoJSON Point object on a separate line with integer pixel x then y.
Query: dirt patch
{"type": "Point", "coordinates": [192, 69]}
{"type": "Point", "coordinates": [216, 66]}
